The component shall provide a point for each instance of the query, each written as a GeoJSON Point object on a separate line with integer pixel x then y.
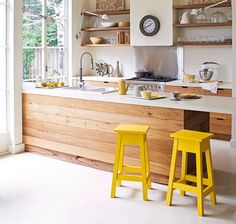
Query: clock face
{"type": "Point", "coordinates": [149, 25]}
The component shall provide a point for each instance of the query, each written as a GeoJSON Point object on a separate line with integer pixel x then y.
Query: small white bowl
{"type": "Point", "coordinates": [109, 24]}
{"type": "Point", "coordinates": [96, 40]}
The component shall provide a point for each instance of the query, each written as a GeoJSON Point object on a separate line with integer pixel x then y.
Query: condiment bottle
{"type": "Point", "coordinates": [117, 72]}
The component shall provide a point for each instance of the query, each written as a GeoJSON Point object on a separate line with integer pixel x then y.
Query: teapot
{"type": "Point", "coordinates": [184, 19]}
{"type": "Point", "coordinates": [123, 88]}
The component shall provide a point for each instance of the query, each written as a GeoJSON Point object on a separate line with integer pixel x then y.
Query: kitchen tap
{"type": "Point", "coordinates": [81, 83]}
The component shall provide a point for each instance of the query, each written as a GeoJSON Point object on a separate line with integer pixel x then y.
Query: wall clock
{"type": "Point", "coordinates": [149, 25]}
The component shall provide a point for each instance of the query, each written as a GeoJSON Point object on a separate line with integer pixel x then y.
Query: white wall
{"type": "Point", "coordinates": [164, 14]}
{"type": "Point", "coordinates": [194, 56]}
{"type": "Point", "coordinates": [233, 141]}
{"type": "Point", "coordinates": [107, 54]}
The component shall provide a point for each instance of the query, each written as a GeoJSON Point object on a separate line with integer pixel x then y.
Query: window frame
{"type": "Point", "coordinates": [5, 89]}
{"type": "Point", "coordinates": [44, 48]}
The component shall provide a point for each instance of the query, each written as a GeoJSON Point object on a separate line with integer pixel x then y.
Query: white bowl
{"type": "Point", "coordinates": [109, 24]}
{"type": "Point", "coordinates": [96, 40]}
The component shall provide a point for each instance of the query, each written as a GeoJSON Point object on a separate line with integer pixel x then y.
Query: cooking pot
{"type": "Point", "coordinates": [143, 74]}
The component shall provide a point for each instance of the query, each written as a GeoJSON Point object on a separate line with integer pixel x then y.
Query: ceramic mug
{"type": "Point", "coordinates": [137, 90]}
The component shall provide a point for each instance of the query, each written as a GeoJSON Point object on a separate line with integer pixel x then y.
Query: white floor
{"type": "Point", "coordinates": [40, 190]}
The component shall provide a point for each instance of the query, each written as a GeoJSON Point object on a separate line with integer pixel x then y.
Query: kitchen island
{"type": "Point", "coordinates": [78, 126]}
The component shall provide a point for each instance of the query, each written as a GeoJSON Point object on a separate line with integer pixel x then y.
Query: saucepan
{"type": "Point", "coordinates": [143, 73]}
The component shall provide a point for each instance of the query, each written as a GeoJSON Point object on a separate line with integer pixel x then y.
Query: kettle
{"type": "Point", "coordinates": [123, 88]}
{"type": "Point", "coordinates": [184, 19]}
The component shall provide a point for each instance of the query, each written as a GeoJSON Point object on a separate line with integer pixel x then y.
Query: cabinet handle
{"type": "Point", "coordinates": [220, 119]}
{"type": "Point", "coordinates": [106, 82]}
{"type": "Point", "coordinates": [184, 87]}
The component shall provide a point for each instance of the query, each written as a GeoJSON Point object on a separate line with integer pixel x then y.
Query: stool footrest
{"type": "Point", "coordinates": [129, 177]}
{"type": "Point", "coordinates": [193, 179]}
{"type": "Point", "coordinates": [185, 187]}
{"type": "Point", "coordinates": [180, 185]}
{"type": "Point", "coordinates": [131, 169]}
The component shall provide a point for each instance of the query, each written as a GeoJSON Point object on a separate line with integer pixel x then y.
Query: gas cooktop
{"type": "Point", "coordinates": [152, 79]}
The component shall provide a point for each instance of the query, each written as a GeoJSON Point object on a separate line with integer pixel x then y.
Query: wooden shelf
{"type": "Point", "coordinates": [119, 12]}
{"type": "Point", "coordinates": [105, 29]}
{"type": "Point", "coordinates": [229, 42]}
{"type": "Point", "coordinates": [196, 6]}
{"type": "Point", "coordinates": [202, 25]}
{"type": "Point", "coordinates": [106, 45]}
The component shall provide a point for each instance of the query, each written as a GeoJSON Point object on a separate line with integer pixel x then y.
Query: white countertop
{"type": "Point", "coordinates": [206, 103]}
{"type": "Point", "coordinates": [102, 78]}
{"type": "Point", "coordinates": [224, 85]}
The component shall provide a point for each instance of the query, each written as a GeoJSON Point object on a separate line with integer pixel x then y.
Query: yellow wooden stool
{"type": "Point", "coordinates": [197, 143]}
{"type": "Point", "coordinates": [132, 135]}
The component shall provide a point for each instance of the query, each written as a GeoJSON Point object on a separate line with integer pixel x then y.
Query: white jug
{"type": "Point", "coordinates": [184, 19]}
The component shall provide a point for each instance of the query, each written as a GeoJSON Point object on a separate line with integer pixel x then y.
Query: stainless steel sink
{"type": "Point", "coordinates": [93, 89]}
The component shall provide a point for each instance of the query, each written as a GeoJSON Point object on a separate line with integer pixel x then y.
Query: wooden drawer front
{"type": "Point", "coordinates": [221, 92]}
{"type": "Point", "coordinates": [220, 123]}
{"type": "Point", "coordinates": [185, 89]}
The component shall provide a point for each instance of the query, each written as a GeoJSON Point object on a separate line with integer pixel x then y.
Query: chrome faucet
{"type": "Point", "coordinates": [81, 84]}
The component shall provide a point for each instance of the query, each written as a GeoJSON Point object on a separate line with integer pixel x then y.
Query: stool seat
{"type": "Point", "coordinates": [192, 135]}
{"type": "Point", "coordinates": [134, 129]}
{"type": "Point", "coordinates": [131, 135]}
{"type": "Point", "coordinates": [197, 143]}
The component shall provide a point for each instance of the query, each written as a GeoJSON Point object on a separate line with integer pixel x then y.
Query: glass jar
{"type": "Point", "coordinates": [218, 17]}
{"type": "Point", "coordinates": [201, 17]}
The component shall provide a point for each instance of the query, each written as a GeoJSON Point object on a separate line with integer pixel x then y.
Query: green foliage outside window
{"type": "Point", "coordinates": [32, 30]}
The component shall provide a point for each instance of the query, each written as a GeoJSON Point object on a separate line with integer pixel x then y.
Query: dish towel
{"type": "Point", "coordinates": [211, 86]}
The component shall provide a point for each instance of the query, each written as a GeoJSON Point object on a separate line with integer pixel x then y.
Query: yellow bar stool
{"type": "Point", "coordinates": [197, 143]}
{"type": "Point", "coordinates": [132, 135]}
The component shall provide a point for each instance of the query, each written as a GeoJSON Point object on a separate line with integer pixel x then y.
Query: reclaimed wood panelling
{"type": "Point", "coordinates": [74, 128]}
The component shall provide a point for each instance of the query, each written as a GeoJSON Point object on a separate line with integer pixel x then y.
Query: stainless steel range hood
{"type": "Point", "coordinates": [162, 61]}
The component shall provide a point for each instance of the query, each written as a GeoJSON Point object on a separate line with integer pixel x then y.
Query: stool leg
{"type": "Point", "coordinates": [143, 168]}
{"type": "Point", "coordinates": [116, 163]}
{"type": "Point", "coordinates": [147, 164]}
{"type": "Point", "coordinates": [121, 161]}
{"type": "Point", "coordinates": [184, 169]}
{"type": "Point", "coordinates": [172, 173]}
{"type": "Point", "coordinates": [210, 175]}
{"type": "Point", "coordinates": [199, 182]}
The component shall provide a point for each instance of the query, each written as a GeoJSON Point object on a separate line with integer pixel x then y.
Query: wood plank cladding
{"type": "Point", "coordinates": [75, 128]}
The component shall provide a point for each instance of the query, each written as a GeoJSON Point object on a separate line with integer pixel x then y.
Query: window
{"type": "Point", "coordinates": [45, 40]}
{"type": "Point", "coordinates": [3, 63]}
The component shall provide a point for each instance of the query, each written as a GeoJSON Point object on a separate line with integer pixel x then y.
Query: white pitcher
{"type": "Point", "coordinates": [184, 19]}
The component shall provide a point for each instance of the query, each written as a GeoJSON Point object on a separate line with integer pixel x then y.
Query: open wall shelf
{"type": "Point", "coordinates": [229, 43]}
{"type": "Point", "coordinates": [105, 29]}
{"type": "Point", "coordinates": [119, 12]}
{"type": "Point", "coordinates": [197, 6]}
{"type": "Point", "coordinates": [203, 24]}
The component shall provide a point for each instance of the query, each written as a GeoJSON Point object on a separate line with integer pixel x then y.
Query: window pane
{"type": "Point", "coordinates": [2, 25]}
{"type": "Point", "coordinates": [3, 111]}
{"type": "Point", "coordinates": [3, 68]}
{"type": "Point", "coordinates": [56, 62]}
{"type": "Point", "coordinates": [32, 23]}
{"type": "Point", "coordinates": [55, 23]}
{"type": "Point", "coordinates": [32, 59]}
{"type": "Point", "coordinates": [56, 8]}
